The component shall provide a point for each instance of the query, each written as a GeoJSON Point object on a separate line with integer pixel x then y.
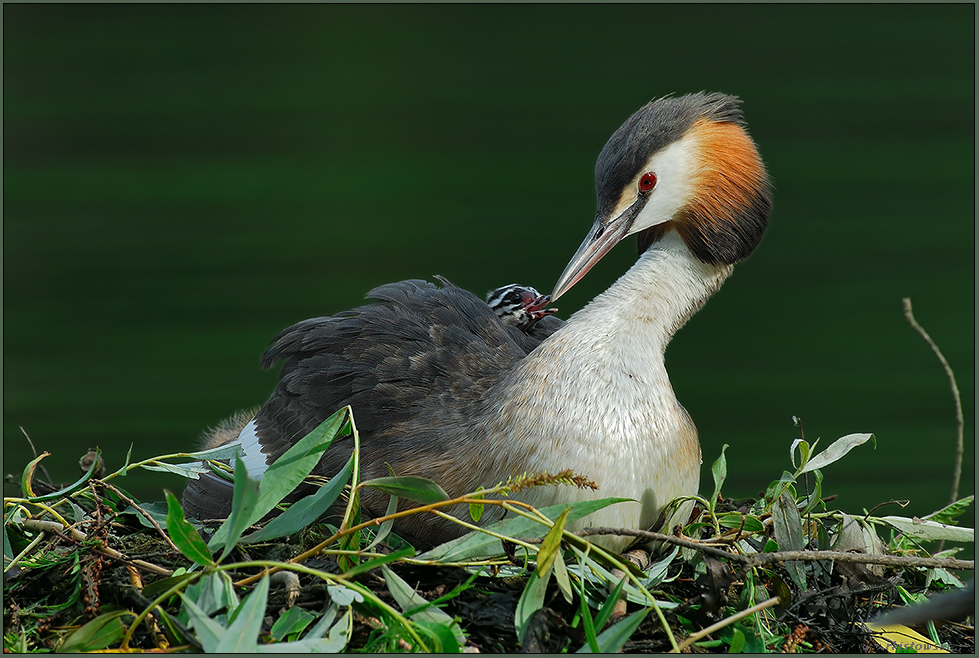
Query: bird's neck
{"type": "Point", "coordinates": [644, 309]}
{"type": "Point", "coordinates": [616, 343]}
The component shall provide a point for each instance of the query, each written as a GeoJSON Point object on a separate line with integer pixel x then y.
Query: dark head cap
{"type": "Point", "coordinates": [731, 200]}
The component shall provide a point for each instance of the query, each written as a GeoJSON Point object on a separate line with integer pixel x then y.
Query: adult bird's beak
{"type": "Point", "coordinates": [600, 240]}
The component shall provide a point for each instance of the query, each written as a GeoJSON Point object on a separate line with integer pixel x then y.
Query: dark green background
{"type": "Point", "coordinates": [182, 182]}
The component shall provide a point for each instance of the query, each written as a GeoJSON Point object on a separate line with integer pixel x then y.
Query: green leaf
{"type": "Point", "coordinates": [220, 470]}
{"type": "Point", "coordinates": [803, 446]}
{"type": "Point", "coordinates": [306, 510]}
{"type": "Point", "coordinates": [385, 529]}
{"type": "Point", "coordinates": [401, 553]}
{"type": "Point", "coordinates": [754, 642]}
{"type": "Point", "coordinates": [444, 639]}
{"type": "Point", "coordinates": [184, 537]}
{"type": "Point", "coordinates": [930, 530]}
{"type": "Point", "coordinates": [157, 511]}
{"type": "Point", "coordinates": [531, 600]}
{"type": "Point", "coordinates": [288, 471]}
{"type": "Point", "coordinates": [226, 451]}
{"type": "Point", "coordinates": [719, 470]}
{"type": "Point", "coordinates": [479, 544]}
{"type": "Point", "coordinates": [586, 620]}
{"type": "Point", "coordinates": [737, 641]}
{"type": "Point", "coordinates": [125, 466]}
{"type": "Point", "coordinates": [410, 487]}
{"type": "Point", "coordinates": [416, 607]}
{"type": "Point", "coordinates": [735, 519]}
{"type": "Point", "coordinates": [209, 632]}
{"type": "Point", "coordinates": [836, 451]}
{"type": "Point", "coordinates": [291, 465]}
{"type": "Point", "coordinates": [189, 471]}
{"type": "Point", "coordinates": [79, 514]}
{"type": "Point", "coordinates": [324, 623]}
{"type": "Point", "coordinates": [551, 545]}
{"type": "Point", "coordinates": [246, 623]}
{"type": "Point", "coordinates": [8, 551]}
{"type": "Point", "coordinates": [612, 639]}
{"type": "Point", "coordinates": [814, 498]}
{"type": "Point", "coordinates": [476, 509]}
{"type": "Point", "coordinates": [177, 634]}
{"type": "Point", "coordinates": [342, 595]}
{"type": "Point", "coordinates": [605, 612]}
{"type": "Point", "coordinates": [335, 643]}
{"type": "Point", "coordinates": [946, 578]}
{"type": "Point", "coordinates": [28, 476]}
{"type": "Point", "coordinates": [213, 592]}
{"type": "Point", "coordinates": [158, 587]}
{"type": "Point", "coordinates": [98, 634]}
{"type": "Point", "coordinates": [244, 498]}
{"type": "Point", "coordinates": [656, 573]}
{"type": "Point", "coordinates": [788, 532]}
{"type": "Point", "coordinates": [950, 513]}
{"type": "Point", "coordinates": [293, 621]}
{"type": "Point", "coordinates": [562, 578]}
{"type": "Point", "coordinates": [589, 570]}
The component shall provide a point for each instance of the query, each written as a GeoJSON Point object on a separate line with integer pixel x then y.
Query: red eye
{"type": "Point", "coordinates": [647, 182]}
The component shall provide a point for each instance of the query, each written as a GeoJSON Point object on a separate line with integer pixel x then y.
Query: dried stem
{"type": "Point", "coordinates": [59, 530]}
{"type": "Point", "coordinates": [141, 511]}
{"type": "Point", "coordinates": [727, 622]}
{"type": "Point", "coordinates": [959, 444]}
{"type": "Point", "coordinates": [760, 559]}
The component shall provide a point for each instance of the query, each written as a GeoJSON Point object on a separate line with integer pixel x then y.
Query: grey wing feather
{"type": "Point", "coordinates": [416, 367]}
{"type": "Point", "coordinates": [421, 357]}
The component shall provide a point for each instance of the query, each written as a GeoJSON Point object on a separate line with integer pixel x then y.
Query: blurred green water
{"type": "Point", "coordinates": [182, 182]}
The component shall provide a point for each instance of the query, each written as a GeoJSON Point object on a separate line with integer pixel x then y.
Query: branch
{"type": "Point", "coordinates": [959, 445]}
{"type": "Point", "coordinates": [58, 530]}
{"type": "Point", "coordinates": [727, 622]}
{"type": "Point", "coordinates": [143, 512]}
{"type": "Point", "coordinates": [760, 559]}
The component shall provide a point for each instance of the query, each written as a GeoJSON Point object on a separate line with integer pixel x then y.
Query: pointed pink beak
{"type": "Point", "coordinates": [601, 238]}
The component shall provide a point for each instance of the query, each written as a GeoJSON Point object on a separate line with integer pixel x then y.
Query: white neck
{"type": "Point", "coordinates": [644, 309]}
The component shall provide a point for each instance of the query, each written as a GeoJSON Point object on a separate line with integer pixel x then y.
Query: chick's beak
{"type": "Point", "coordinates": [536, 307]}
{"type": "Point", "coordinates": [600, 240]}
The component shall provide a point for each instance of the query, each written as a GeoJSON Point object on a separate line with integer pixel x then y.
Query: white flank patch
{"type": "Point", "coordinates": [251, 450]}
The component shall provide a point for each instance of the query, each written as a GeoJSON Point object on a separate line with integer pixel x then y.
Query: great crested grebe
{"type": "Point", "coordinates": [444, 388]}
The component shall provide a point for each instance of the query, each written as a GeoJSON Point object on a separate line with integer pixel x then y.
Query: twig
{"type": "Point", "coordinates": [960, 422]}
{"type": "Point", "coordinates": [727, 622]}
{"type": "Point", "coordinates": [143, 512]}
{"type": "Point", "coordinates": [860, 558]}
{"type": "Point", "coordinates": [339, 534]}
{"type": "Point", "coordinates": [58, 529]}
{"type": "Point", "coordinates": [20, 556]}
{"type": "Point", "coordinates": [760, 559]}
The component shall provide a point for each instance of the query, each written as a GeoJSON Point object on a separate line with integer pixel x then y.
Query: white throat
{"type": "Point", "coordinates": [656, 297]}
